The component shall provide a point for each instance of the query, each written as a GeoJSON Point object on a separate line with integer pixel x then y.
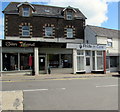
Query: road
{"type": "Point", "coordinates": [99, 93]}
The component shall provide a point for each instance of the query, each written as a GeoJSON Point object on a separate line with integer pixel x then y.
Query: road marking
{"type": "Point", "coordinates": [63, 88]}
{"type": "Point", "coordinates": [35, 90]}
{"type": "Point", "coordinates": [28, 80]}
{"type": "Point", "coordinates": [107, 86]}
{"type": "Point", "coordinates": [32, 90]}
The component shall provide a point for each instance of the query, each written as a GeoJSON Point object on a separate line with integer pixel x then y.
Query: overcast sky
{"type": "Point", "coordinates": [98, 12]}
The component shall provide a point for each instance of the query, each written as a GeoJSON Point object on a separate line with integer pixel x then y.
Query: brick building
{"type": "Point", "coordinates": [41, 36]}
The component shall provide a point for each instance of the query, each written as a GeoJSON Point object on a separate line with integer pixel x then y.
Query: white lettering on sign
{"type": "Point", "coordinates": [86, 46]}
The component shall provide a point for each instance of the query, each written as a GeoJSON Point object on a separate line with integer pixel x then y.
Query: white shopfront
{"type": "Point", "coordinates": [88, 58]}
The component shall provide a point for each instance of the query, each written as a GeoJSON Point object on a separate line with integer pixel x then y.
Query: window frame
{"type": "Point", "coordinates": [69, 15]}
{"type": "Point", "coordinates": [109, 42]}
{"type": "Point", "coordinates": [48, 31]}
{"type": "Point", "coordinates": [25, 13]}
{"type": "Point", "coordinates": [25, 30]}
{"type": "Point", "coordinates": [70, 33]}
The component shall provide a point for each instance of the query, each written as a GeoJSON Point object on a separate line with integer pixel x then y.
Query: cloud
{"type": "Point", "coordinates": [25, 1]}
{"type": "Point", "coordinates": [112, 0]}
{"type": "Point", "coordinates": [94, 10]}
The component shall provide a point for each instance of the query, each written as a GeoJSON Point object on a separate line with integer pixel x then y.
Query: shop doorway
{"type": "Point", "coordinates": [88, 61]}
{"type": "Point", "coordinates": [41, 63]}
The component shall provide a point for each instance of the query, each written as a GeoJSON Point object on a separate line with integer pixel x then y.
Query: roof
{"type": "Point", "coordinates": [42, 10]}
{"type": "Point", "coordinates": [104, 32]}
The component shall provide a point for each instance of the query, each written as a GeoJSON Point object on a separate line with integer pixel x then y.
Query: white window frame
{"type": "Point", "coordinates": [48, 30]}
{"type": "Point", "coordinates": [69, 15]}
{"type": "Point", "coordinates": [80, 54]}
{"type": "Point", "coordinates": [26, 13]}
{"type": "Point", "coordinates": [25, 30]}
{"type": "Point", "coordinates": [109, 42]}
{"type": "Point", "coordinates": [69, 33]}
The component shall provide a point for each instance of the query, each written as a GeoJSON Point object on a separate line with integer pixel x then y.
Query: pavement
{"type": "Point", "coordinates": [16, 77]}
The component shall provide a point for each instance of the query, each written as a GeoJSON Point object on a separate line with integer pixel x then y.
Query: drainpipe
{"type": "Point", "coordinates": [104, 57]}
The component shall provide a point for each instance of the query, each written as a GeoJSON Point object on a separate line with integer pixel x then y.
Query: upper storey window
{"type": "Point", "coordinates": [25, 31]}
{"type": "Point", "coordinates": [48, 31]}
{"type": "Point", "coordinates": [69, 33]}
{"type": "Point", "coordinates": [26, 12]}
{"type": "Point", "coordinates": [109, 42]}
{"type": "Point", "coordinates": [69, 15]}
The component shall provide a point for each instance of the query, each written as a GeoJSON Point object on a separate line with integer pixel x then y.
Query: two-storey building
{"type": "Point", "coordinates": [41, 36]}
{"type": "Point", "coordinates": [108, 37]}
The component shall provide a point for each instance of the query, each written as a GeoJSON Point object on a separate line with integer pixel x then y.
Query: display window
{"type": "Point", "coordinates": [80, 60]}
{"type": "Point", "coordinates": [66, 60]}
{"type": "Point", "coordinates": [113, 61]}
{"type": "Point", "coordinates": [26, 61]}
{"type": "Point", "coordinates": [10, 61]}
{"type": "Point", "coordinates": [99, 60]}
{"type": "Point", "coordinates": [60, 60]}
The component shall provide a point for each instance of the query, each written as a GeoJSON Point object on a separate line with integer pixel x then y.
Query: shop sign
{"type": "Point", "coordinates": [18, 44]}
{"type": "Point", "coordinates": [86, 46]}
{"type": "Point", "coordinates": [11, 43]}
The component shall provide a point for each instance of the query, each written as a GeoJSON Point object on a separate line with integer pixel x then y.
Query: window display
{"type": "Point", "coordinates": [24, 61]}
{"type": "Point", "coordinates": [10, 61]}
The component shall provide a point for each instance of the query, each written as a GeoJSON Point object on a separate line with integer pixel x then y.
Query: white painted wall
{"type": "Point", "coordinates": [64, 40]}
{"type": "Point", "coordinates": [110, 50]}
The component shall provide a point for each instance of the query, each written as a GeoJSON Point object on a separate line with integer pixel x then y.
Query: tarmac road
{"type": "Point", "coordinates": [96, 93]}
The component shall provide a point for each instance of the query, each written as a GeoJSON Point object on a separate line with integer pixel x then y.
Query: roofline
{"type": "Point", "coordinates": [102, 27]}
{"type": "Point", "coordinates": [25, 3]}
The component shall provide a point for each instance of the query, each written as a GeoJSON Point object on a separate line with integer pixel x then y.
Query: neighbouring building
{"type": "Point", "coordinates": [108, 37]}
{"type": "Point", "coordinates": [39, 36]}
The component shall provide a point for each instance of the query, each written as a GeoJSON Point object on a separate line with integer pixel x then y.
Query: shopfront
{"type": "Point", "coordinates": [62, 58]}
{"type": "Point", "coordinates": [89, 58]}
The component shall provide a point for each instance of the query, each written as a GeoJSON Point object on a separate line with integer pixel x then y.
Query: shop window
{"type": "Point", "coordinates": [87, 53]}
{"type": "Point", "coordinates": [99, 60]}
{"type": "Point", "coordinates": [48, 31]}
{"type": "Point", "coordinates": [99, 63]}
{"type": "Point", "coordinates": [26, 12]}
{"type": "Point", "coordinates": [69, 33]}
{"type": "Point", "coordinates": [99, 53]}
{"type": "Point", "coordinates": [60, 60]}
{"type": "Point", "coordinates": [88, 61]}
{"type": "Point", "coordinates": [66, 60]}
{"type": "Point", "coordinates": [25, 31]}
{"type": "Point", "coordinates": [80, 63]}
{"type": "Point", "coordinates": [107, 62]}
{"type": "Point", "coordinates": [80, 52]}
{"type": "Point", "coordinates": [80, 60]}
{"type": "Point", "coordinates": [25, 61]}
{"type": "Point", "coordinates": [54, 60]}
{"type": "Point", "coordinates": [109, 42]}
{"type": "Point", "coordinates": [10, 61]}
{"type": "Point", "coordinates": [113, 61]}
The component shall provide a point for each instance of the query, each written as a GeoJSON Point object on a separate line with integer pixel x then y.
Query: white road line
{"type": "Point", "coordinates": [107, 86]}
{"type": "Point", "coordinates": [35, 90]}
{"type": "Point", "coordinates": [30, 90]}
{"type": "Point", "coordinates": [63, 88]}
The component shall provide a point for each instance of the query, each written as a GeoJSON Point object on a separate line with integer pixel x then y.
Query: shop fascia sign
{"type": "Point", "coordinates": [18, 44]}
{"type": "Point", "coordinates": [86, 46]}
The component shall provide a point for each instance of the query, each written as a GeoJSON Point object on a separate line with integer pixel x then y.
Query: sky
{"type": "Point", "coordinates": [103, 13]}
